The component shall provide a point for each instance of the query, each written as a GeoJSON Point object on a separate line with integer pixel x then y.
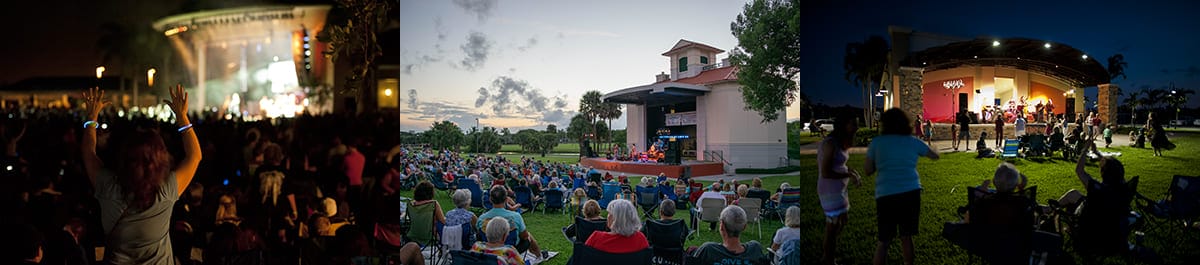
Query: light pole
{"type": "Point", "coordinates": [99, 72]}
{"type": "Point", "coordinates": [149, 82]}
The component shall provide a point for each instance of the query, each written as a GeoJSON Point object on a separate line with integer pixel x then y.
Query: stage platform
{"type": "Point", "coordinates": [699, 168]}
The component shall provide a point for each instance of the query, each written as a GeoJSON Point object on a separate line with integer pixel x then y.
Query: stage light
{"type": "Point", "coordinates": [9, 168]}
{"type": "Point", "coordinates": [388, 92]}
{"type": "Point", "coordinates": [121, 113]}
{"type": "Point", "coordinates": [1085, 56]}
{"type": "Point", "coordinates": [995, 43]}
{"type": "Point", "coordinates": [1047, 45]}
{"type": "Point", "coordinates": [976, 56]}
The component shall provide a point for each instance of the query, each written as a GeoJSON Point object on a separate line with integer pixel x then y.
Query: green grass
{"type": "Point", "coordinates": [560, 148]}
{"type": "Point", "coordinates": [945, 181]}
{"type": "Point", "coordinates": [547, 228]}
{"type": "Point", "coordinates": [570, 158]}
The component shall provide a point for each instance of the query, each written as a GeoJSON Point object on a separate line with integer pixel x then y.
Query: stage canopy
{"type": "Point", "coordinates": [663, 93]}
{"type": "Point", "coordinates": [1048, 58]}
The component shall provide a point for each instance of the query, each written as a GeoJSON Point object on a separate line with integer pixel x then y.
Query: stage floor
{"type": "Point", "coordinates": [699, 168]}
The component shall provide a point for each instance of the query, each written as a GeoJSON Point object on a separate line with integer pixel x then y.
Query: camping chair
{"type": "Point", "coordinates": [789, 253]}
{"type": "Point", "coordinates": [753, 207]}
{"type": "Point", "coordinates": [765, 197]}
{"type": "Point", "coordinates": [787, 198]}
{"type": "Point", "coordinates": [584, 228]}
{"type": "Point", "coordinates": [578, 183]}
{"type": "Point", "coordinates": [423, 229]}
{"type": "Point", "coordinates": [594, 193]}
{"type": "Point", "coordinates": [466, 233]}
{"type": "Point", "coordinates": [1037, 146]}
{"type": "Point", "coordinates": [610, 193]}
{"type": "Point", "coordinates": [554, 200]}
{"type": "Point", "coordinates": [585, 255]}
{"type": "Point", "coordinates": [1001, 226]}
{"type": "Point", "coordinates": [477, 198]}
{"type": "Point", "coordinates": [525, 197]}
{"type": "Point", "coordinates": [1056, 143]}
{"type": "Point", "coordinates": [666, 240]}
{"type": "Point", "coordinates": [1108, 233]}
{"type": "Point", "coordinates": [441, 185]}
{"type": "Point", "coordinates": [460, 257]}
{"type": "Point", "coordinates": [1182, 202]}
{"type": "Point", "coordinates": [1011, 146]}
{"type": "Point", "coordinates": [511, 239]}
{"type": "Point", "coordinates": [709, 212]}
{"type": "Point", "coordinates": [649, 199]}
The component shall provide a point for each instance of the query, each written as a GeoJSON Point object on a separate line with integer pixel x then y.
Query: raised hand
{"type": "Point", "coordinates": [178, 102]}
{"type": "Point", "coordinates": [95, 101]}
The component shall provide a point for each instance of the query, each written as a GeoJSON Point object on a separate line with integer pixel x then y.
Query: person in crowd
{"type": "Point", "coordinates": [461, 214]}
{"type": "Point", "coordinates": [928, 132]}
{"type": "Point", "coordinates": [834, 175]}
{"type": "Point", "coordinates": [893, 154]}
{"type": "Point", "coordinates": [1158, 139]}
{"type": "Point", "coordinates": [790, 229]}
{"type": "Point", "coordinates": [741, 193]}
{"type": "Point", "coordinates": [713, 193]}
{"type": "Point", "coordinates": [1108, 132]}
{"type": "Point", "coordinates": [624, 230]}
{"type": "Point", "coordinates": [410, 253]}
{"type": "Point", "coordinates": [497, 231]}
{"type": "Point", "coordinates": [352, 165]}
{"type": "Point", "coordinates": [779, 191]}
{"type": "Point", "coordinates": [666, 210]}
{"type": "Point", "coordinates": [918, 129]}
{"type": "Point", "coordinates": [499, 198]}
{"type": "Point", "coordinates": [1108, 200]}
{"type": "Point", "coordinates": [999, 131]}
{"type": "Point", "coordinates": [423, 194]}
{"type": "Point", "coordinates": [964, 129]}
{"type": "Point", "coordinates": [577, 198]}
{"type": "Point", "coordinates": [137, 195]}
{"type": "Point", "coordinates": [1019, 126]}
{"type": "Point", "coordinates": [981, 147]}
{"type": "Point", "coordinates": [1096, 122]}
{"type": "Point", "coordinates": [591, 210]}
{"type": "Point", "coordinates": [731, 250]}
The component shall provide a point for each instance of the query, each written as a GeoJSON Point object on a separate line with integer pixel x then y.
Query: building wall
{"type": "Point", "coordinates": [635, 128]}
{"type": "Point", "coordinates": [940, 102]}
{"type": "Point", "coordinates": [1042, 92]}
{"type": "Point", "coordinates": [693, 60]}
{"type": "Point", "coordinates": [738, 134]}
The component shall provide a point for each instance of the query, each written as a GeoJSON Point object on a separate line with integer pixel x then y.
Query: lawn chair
{"type": "Point", "coordinates": [578, 183]}
{"type": "Point", "coordinates": [709, 212]}
{"type": "Point", "coordinates": [649, 199]}
{"type": "Point", "coordinates": [525, 197]}
{"type": "Point", "coordinates": [511, 240]}
{"type": "Point", "coordinates": [787, 198]}
{"type": "Point", "coordinates": [423, 231]}
{"type": "Point", "coordinates": [594, 193]}
{"type": "Point", "coordinates": [466, 237]}
{"type": "Point", "coordinates": [584, 228]}
{"type": "Point", "coordinates": [441, 185]}
{"type": "Point", "coordinates": [666, 240]}
{"type": "Point", "coordinates": [1056, 143]}
{"type": "Point", "coordinates": [585, 255]}
{"type": "Point", "coordinates": [460, 257]}
{"type": "Point", "coordinates": [554, 200]}
{"type": "Point", "coordinates": [610, 193]}
{"type": "Point", "coordinates": [765, 197]}
{"type": "Point", "coordinates": [1037, 146]}
{"type": "Point", "coordinates": [1011, 146]}
{"type": "Point", "coordinates": [753, 207]}
{"type": "Point", "coordinates": [1182, 202]}
{"type": "Point", "coordinates": [1001, 228]}
{"type": "Point", "coordinates": [477, 199]}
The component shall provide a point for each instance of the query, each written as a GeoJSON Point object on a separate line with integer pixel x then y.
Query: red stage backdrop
{"type": "Point", "coordinates": [940, 102]}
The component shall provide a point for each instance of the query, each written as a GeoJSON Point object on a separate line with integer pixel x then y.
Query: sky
{"type": "Point", "coordinates": [1158, 38]}
{"type": "Point", "coordinates": [525, 64]}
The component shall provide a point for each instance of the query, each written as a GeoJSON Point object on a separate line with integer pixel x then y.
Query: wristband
{"type": "Point", "coordinates": [90, 125]}
{"type": "Point", "coordinates": [185, 127]}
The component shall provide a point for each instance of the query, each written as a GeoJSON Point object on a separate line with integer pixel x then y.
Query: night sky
{"type": "Point", "coordinates": [1160, 42]}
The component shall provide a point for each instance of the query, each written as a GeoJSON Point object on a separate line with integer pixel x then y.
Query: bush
{"type": "Point", "coordinates": [863, 136]}
{"type": "Point", "coordinates": [778, 170]}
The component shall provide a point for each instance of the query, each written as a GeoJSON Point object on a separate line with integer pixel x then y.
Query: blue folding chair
{"type": "Point", "coordinates": [510, 240]}
{"type": "Point", "coordinates": [525, 197]}
{"type": "Point", "coordinates": [610, 193]}
{"type": "Point", "coordinates": [1010, 148]}
{"type": "Point", "coordinates": [477, 198]}
{"type": "Point", "coordinates": [459, 257]}
{"type": "Point", "coordinates": [554, 200]}
{"type": "Point", "coordinates": [578, 183]}
{"type": "Point", "coordinates": [648, 198]}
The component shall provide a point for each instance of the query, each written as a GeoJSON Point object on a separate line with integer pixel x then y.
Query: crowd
{"type": "Point", "coordinates": [107, 184]}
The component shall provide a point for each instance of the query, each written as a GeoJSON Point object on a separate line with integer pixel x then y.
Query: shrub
{"type": "Point", "coordinates": [778, 170]}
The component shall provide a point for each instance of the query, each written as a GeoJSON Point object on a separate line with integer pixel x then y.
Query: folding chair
{"type": "Point", "coordinates": [1037, 146]}
{"type": "Point", "coordinates": [525, 197]}
{"type": "Point", "coordinates": [1182, 202]}
{"type": "Point", "coordinates": [578, 183]}
{"type": "Point", "coordinates": [477, 199]}
{"type": "Point", "coordinates": [709, 212]}
{"type": "Point", "coordinates": [610, 193]}
{"type": "Point", "coordinates": [511, 239]}
{"type": "Point", "coordinates": [1011, 146]}
{"type": "Point", "coordinates": [423, 229]}
{"type": "Point", "coordinates": [441, 185]}
{"type": "Point", "coordinates": [584, 228]}
{"type": "Point", "coordinates": [787, 198]}
{"type": "Point", "coordinates": [753, 207]}
{"type": "Point", "coordinates": [460, 257]}
{"type": "Point", "coordinates": [649, 199]}
{"type": "Point", "coordinates": [554, 200]}
{"type": "Point", "coordinates": [666, 240]}
{"type": "Point", "coordinates": [585, 255]}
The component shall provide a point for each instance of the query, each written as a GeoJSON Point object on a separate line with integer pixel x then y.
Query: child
{"type": "Point", "coordinates": [1108, 132]}
{"type": "Point", "coordinates": [577, 199]}
{"type": "Point", "coordinates": [928, 132]}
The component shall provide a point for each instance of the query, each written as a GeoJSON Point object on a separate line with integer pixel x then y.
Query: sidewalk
{"type": "Point", "coordinates": [728, 176]}
{"type": "Point", "coordinates": [945, 146]}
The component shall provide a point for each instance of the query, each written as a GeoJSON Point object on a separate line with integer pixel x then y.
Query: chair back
{"type": "Point", "coordinates": [524, 195]}
{"type": "Point", "coordinates": [585, 255]}
{"type": "Point", "coordinates": [488, 204]}
{"type": "Point", "coordinates": [753, 207]}
{"type": "Point", "coordinates": [460, 257]}
{"type": "Point", "coordinates": [584, 228]}
{"type": "Point", "coordinates": [789, 252]}
{"type": "Point", "coordinates": [422, 225]}
{"type": "Point", "coordinates": [647, 197]}
{"type": "Point", "coordinates": [578, 183]}
{"type": "Point", "coordinates": [466, 235]}
{"type": "Point", "coordinates": [593, 193]}
{"type": "Point", "coordinates": [554, 198]}
{"type": "Point", "coordinates": [1183, 197]}
{"type": "Point", "coordinates": [1010, 148]}
{"type": "Point", "coordinates": [476, 192]}
{"type": "Point", "coordinates": [666, 234]}
{"type": "Point", "coordinates": [710, 209]}
{"type": "Point", "coordinates": [789, 196]}
{"type": "Point", "coordinates": [762, 195]}
{"type": "Point", "coordinates": [610, 193]}
{"type": "Point", "coordinates": [511, 239]}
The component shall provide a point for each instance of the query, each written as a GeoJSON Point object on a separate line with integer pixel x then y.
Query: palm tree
{"type": "Point", "coordinates": [591, 107]}
{"type": "Point", "coordinates": [1116, 66]}
{"type": "Point", "coordinates": [864, 64]}
{"type": "Point", "coordinates": [1177, 98]}
{"type": "Point", "coordinates": [1133, 102]}
{"type": "Point", "coordinates": [610, 111]}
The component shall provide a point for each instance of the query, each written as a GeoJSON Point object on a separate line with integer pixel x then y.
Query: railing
{"type": "Point", "coordinates": [717, 154]}
{"type": "Point", "coordinates": [712, 66]}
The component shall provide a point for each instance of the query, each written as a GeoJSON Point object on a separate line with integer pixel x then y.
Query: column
{"type": "Point", "coordinates": [911, 91]}
{"type": "Point", "coordinates": [1107, 101]}
{"type": "Point", "coordinates": [201, 69]}
{"type": "Point", "coordinates": [701, 127]}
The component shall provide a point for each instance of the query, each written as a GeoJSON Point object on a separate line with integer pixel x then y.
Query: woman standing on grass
{"type": "Point", "coordinates": [831, 185]}
{"type": "Point", "coordinates": [894, 155]}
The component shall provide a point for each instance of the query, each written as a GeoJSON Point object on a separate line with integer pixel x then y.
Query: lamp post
{"type": "Point", "coordinates": [99, 72]}
{"type": "Point", "coordinates": [149, 82]}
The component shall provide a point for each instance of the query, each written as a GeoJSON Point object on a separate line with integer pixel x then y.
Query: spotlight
{"type": "Point", "coordinates": [1047, 45]}
{"type": "Point", "coordinates": [1085, 56]}
{"type": "Point", "coordinates": [995, 43]}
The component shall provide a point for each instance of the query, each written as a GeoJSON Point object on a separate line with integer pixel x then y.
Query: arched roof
{"type": "Point", "coordinates": [1058, 61]}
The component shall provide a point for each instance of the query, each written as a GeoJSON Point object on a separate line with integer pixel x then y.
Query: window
{"type": "Point", "coordinates": [704, 60]}
{"type": "Point", "coordinates": [683, 64]}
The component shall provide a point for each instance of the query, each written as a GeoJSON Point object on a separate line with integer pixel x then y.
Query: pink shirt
{"type": "Point", "coordinates": [354, 162]}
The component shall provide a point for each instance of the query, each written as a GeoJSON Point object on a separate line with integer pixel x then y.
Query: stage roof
{"type": "Point", "coordinates": [1058, 61]}
{"type": "Point", "coordinates": [661, 93]}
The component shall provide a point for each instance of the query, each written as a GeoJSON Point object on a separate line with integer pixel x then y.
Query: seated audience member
{"type": "Point", "coordinates": [741, 192]}
{"type": "Point", "coordinates": [410, 253]}
{"type": "Point", "coordinates": [461, 214]}
{"type": "Point", "coordinates": [498, 199]}
{"type": "Point", "coordinates": [590, 212]}
{"type": "Point", "coordinates": [790, 229]}
{"type": "Point", "coordinates": [497, 232]}
{"type": "Point", "coordinates": [782, 186]}
{"type": "Point", "coordinates": [981, 147]}
{"type": "Point", "coordinates": [577, 198]}
{"type": "Point", "coordinates": [666, 210]}
{"type": "Point", "coordinates": [712, 193]}
{"type": "Point", "coordinates": [624, 235]}
{"type": "Point", "coordinates": [422, 195]}
{"type": "Point", "coordinates": [730, 250]}
{"type": "Point", "coordinates": [1103, 221]}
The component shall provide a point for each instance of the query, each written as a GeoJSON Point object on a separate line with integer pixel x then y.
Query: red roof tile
{"type": "Point", "coordinates": [711, 76]}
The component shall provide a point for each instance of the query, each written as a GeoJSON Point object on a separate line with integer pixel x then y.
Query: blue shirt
{"type": "Point", "coordinates": [895, 159]}
{"type": "Point", "coordinates": [514, 219]}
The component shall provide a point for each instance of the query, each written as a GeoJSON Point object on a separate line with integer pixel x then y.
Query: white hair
{"type": "Point", "coordinates": [623, 218]}
{"type": "Point", "coordinates": [1006, 177]}
{"type": "Point", "coordinates": [497, 229]}
{"type": "Point", "coordinates": [462, 198]}
{"type": "Point", "coordinates": [793, 217]}
{"type": "Point", "coordinates": [733, 219]}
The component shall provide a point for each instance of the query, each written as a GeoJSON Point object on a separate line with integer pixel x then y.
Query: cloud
{"type": "Point", "coordinates": [559, 31]}
{"type": "Point", "coordinates": [480, 8]}
{"type": "Point", "coordinates": [437, 27]}
{"type": "Point", "coordinates": [412, 99]}
{"type": "Point", "coordinates": [515, 98]}
{"type": "Point", "coordinates": [419, 62]}
{"type": "Point", "coordinates": [528, 44]}
{"type": "Point", "coordinates": [476, 49]}
{"type": "Point", "coordinates": [443, 111]}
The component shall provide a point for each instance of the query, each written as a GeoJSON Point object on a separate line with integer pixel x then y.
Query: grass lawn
{"type": "Point", "coordinates": [560, 148]}
{"type": "Point", "coordinates": [944, 183]}
{"type": "Point", "coordinates": [547, 228]}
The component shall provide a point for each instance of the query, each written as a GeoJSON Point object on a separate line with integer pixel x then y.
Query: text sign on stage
{"type": "Point", "coordinates": [682, 118]}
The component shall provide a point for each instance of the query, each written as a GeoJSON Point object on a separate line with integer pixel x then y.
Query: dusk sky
{"type": "Point", "coordinates": [462, 58]}
{"type": "Point", "coordinates": [1159, 41]}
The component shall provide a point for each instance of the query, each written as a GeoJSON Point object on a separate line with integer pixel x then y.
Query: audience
{"type": "Point", "coordinates": [624, 230]}
{"type": "Point", "coordinates": [790, 229]}
{"type": "Point", "coordinates": [893, 154]}
{"type": "Point", "coordinates": [498, 199]}
{"type": "Point", "coordinates": [731, 250]}
{"type": "Point", "coordinates": [497, 231]}
{"type": "Point", "coordinates": [461, 214]}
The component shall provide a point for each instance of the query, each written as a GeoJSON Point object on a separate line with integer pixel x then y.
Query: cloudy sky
{"type": "Point", "coordinates": [521, 64]}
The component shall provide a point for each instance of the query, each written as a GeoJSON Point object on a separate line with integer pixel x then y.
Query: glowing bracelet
{"type": "Point", "coordinates": [90, 125]}
{"type": "Point", "coordinates": [185, 127]}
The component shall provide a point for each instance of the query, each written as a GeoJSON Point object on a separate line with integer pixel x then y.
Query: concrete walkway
{"type": "Point", "coordinates": [945, 146]}
{"type": "Point", "coordinates": [727, 177]}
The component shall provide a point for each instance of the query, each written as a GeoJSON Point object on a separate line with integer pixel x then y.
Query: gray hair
{"type": "Point", "coordinates": [793, 217]}
{"type": "Point", "coordinates": [1006, 177]}
{"type": "Point", "coordinates": [623, 218]}
{"type": "Point", "coordinates": [667, 208]}
{"type": "Point", "coordinates": [497, 229]}
{"type": "Point", "coordinates": [462, 198]}
{"type": "Point", "coordinates": [733, 220]}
